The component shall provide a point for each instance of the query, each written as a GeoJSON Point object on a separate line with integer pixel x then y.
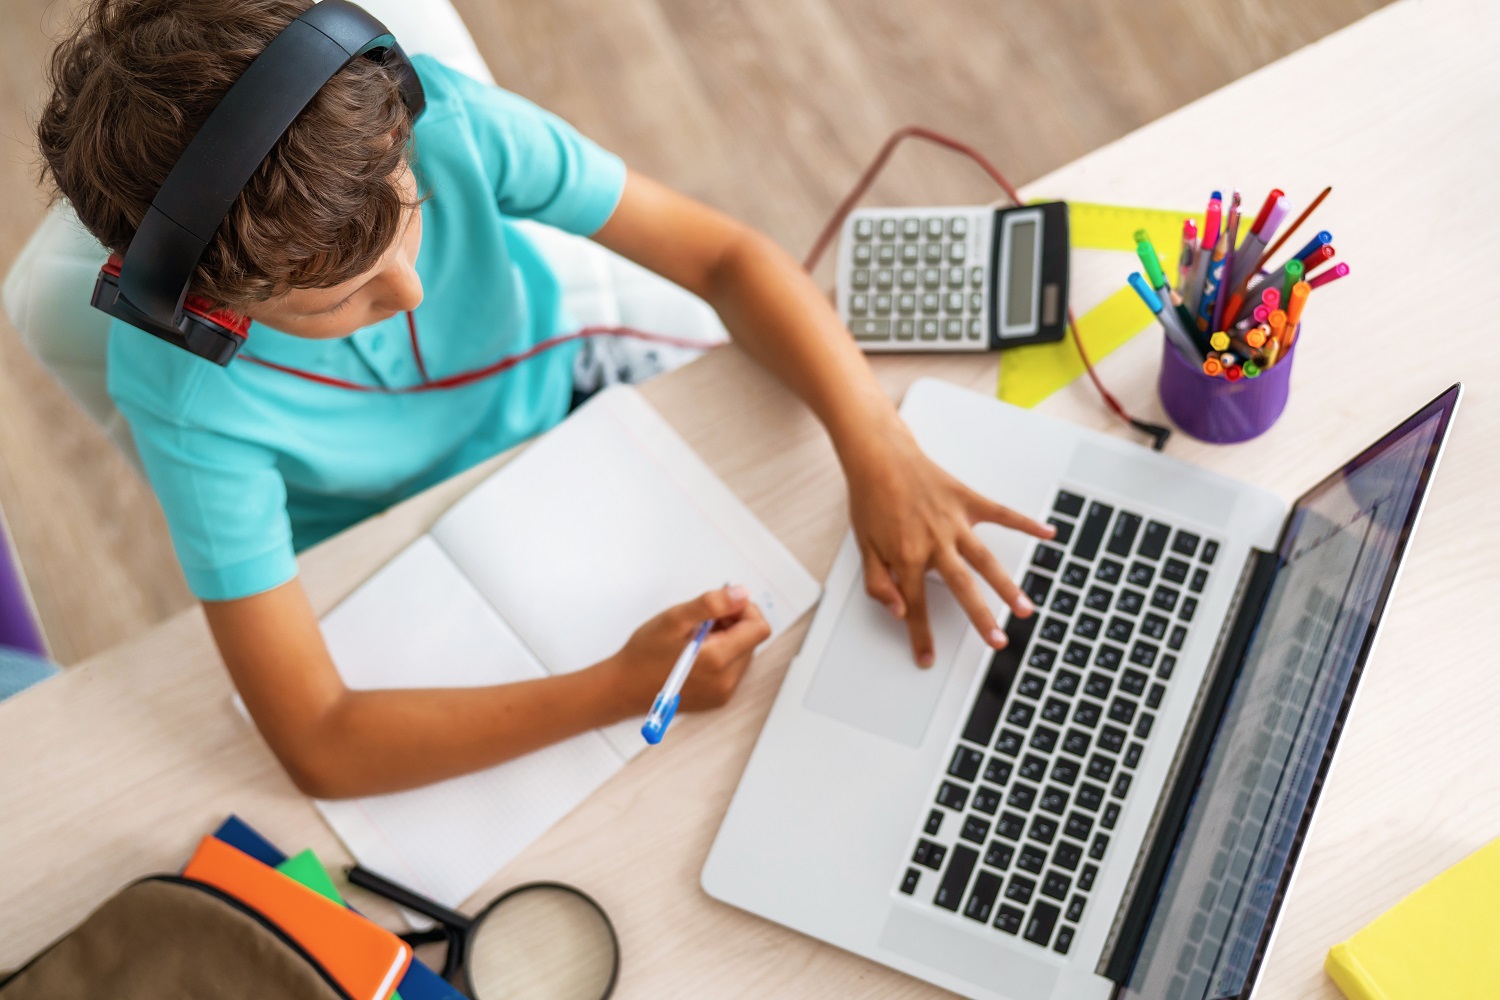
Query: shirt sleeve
{"type": "Point", "coordinates": [541, 167]}
{"type": "Point", "coordinates": [225, 505]}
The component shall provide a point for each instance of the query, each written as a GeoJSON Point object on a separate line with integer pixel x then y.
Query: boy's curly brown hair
{"type": "Point", "coordinates": [132, 84]}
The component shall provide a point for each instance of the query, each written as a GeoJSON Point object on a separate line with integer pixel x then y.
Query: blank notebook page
{"type": "Point", "coordinates": [607, 522]}
{"type": "Point", "coordinates": [420, 623]}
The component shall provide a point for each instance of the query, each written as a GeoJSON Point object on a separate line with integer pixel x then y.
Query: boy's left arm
{"type": "Point", "coordinates": [908, 514]}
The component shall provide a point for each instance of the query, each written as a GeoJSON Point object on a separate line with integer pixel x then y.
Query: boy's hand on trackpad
{"type": "Point", "coordinates": [910, 516]}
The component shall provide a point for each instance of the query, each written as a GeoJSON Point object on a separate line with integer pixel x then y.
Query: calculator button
{"type": "Point", "coordinates": [910, 254]}
{"type": "Point", "coordinates": [906, 302]}
{"type": "Point", "coordinates": [887, 229]}
{"type": "Point", "coordinates": [958, 228]}
{"type": "Point", "coordinates": [957, 252]}
{"type": "Point", "coordinates": [931, 277]}
{"type": "Point", "coordinates": [861, 277]}
{"type": "Point", "coordinates": [954, 302]}
{"type": "Point", "coordinates": [955, 277]}
{"type": "Point", "coordinates": [975, 333]}
{"type": "Point", "coordinates": [882, 305]}
{"type": "Point", "coordinates": [953, 329]}
{"type": "Point", "coordinates": [862, 253]}
{"type": "Point", "coordinates": [863, 229]}
{"type": "Point", "coordinates": [886, 254]}
{"type": "Point", "coordinates": [929, 329]}
{"type": "Point", "coordinates": [933, 253]}
{"type": "Point", "coordinates": [859, 304]}
{"type": "Point", "coordinates": [976, 277]}
{"type": "Point", "coordinates": [910, 228]}
{"type": "Point", "coordinates": [884, 278]}
{"type": "Point", "coordinates": [909, 277]}
{"type": "Point", "coordinates": [930, 302]}
{"type": "Point", "coordinates": [870, 329]}
{"type": "Point", "coordinates": [906, 329]}
{"type": "Point", "coordinates": [934, 228]}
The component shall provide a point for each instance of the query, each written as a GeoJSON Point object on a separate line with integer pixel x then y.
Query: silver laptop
{"type": "Point", "coordinates": [1113, 805]}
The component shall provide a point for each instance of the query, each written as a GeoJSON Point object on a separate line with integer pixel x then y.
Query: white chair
{"type": "Point", "coordinates": [46, 293]}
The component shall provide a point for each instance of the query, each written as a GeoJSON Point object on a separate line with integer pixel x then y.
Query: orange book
{"type": "Point", "coordinates": [365, 959]}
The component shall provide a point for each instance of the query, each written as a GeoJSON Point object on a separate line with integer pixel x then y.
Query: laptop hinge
{"type": "Point", "coordinates": [1123, 945]}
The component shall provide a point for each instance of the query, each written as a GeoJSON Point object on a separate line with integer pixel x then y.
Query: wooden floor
{"type": "Point", "coordinates": [765, 108]}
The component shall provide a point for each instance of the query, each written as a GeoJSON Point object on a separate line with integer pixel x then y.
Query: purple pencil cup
{"type": "Point", "coordinates": [1219, 411]}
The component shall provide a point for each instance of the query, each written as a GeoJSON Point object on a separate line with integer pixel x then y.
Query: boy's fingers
{"type": "Point", "coordinates": [914, 592]}
{"type": "Point", "coordinates": [985, 563]}
{"type": "Point", "coordinates": [879, 583]}
{"type": "Point", "coordinates": [961, 582]}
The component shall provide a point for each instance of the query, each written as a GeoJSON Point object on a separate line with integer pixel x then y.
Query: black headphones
{"type": "Point", "coordinates": [149, 288]}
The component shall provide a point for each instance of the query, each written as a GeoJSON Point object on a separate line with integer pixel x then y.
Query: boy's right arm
{"type": "Point", "coordinates": [336, 743]}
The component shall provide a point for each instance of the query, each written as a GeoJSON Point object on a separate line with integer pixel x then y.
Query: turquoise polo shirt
{"type": "Point", "coordinates": [252, 465]}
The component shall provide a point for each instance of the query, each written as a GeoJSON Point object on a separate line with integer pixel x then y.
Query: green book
{"type": "Point", "coordinates": [309, 871]}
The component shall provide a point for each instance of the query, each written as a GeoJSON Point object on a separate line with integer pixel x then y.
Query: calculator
{"type": "Point", "coordinates": [970, 278]}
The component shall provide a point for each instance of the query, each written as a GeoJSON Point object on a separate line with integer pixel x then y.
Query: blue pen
{"type": "Point", "coordinates": [665, 705]}
{"type": "Point", "coordinates": [1322, 239]}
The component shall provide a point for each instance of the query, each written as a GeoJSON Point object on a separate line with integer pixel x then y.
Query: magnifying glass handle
{"type": "Point", "coordinates": [402, 896]}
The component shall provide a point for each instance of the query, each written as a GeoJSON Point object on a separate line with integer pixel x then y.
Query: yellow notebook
{"type": "Point", "coordinates": [1440, 943]}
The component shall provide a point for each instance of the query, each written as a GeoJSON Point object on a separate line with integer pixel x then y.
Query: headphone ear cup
{"type": "Point", "coordinates": [208, 313]}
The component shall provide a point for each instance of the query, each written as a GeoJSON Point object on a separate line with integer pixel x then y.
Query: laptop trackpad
{"type": "Point", "coordinates": [940, 944]}
{"type": "Point", "coordinates": [868, 677]}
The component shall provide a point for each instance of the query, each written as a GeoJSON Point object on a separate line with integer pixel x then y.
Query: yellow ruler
{"type": "Point", "coordinates": [1029, 375]}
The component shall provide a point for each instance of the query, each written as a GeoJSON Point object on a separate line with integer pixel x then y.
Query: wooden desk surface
{"type": "Point", "coordinates": [118, 767]}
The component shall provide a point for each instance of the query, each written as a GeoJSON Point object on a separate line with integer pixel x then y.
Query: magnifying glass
{"type": "Point", "coordinates": [538, 941]}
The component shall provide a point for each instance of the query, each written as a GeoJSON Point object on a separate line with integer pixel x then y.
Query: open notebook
{"type": "Point", "coordinates": [548, 566]}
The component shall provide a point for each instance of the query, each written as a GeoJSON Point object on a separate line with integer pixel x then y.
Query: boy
{"type": "Point", "coordinates": [357, 216]}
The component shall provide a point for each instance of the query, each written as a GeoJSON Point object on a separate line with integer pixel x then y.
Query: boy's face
{"type": "Point", "coordinates": [390, 287]}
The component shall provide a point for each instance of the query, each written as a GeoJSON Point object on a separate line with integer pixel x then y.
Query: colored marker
{"type": "Point", "coordinates": [1231, 240]}
{"type": "Point", "coordinates": [1291, 275]}
{"type": "Point", "coordinates": [1271, 250]}
{"type": "Point", "coordinates": [1167, 318]}
{"type": "Point", "coordinates": [1333, 273]}
{"type": "Point", "coordinates": [1270, 216]}
{"type": "Point", "coordinates": [1205, 252]}
{"type": "Point", "coordinates": [1189, 247]}
{"type": "Point", "coordinates": [1211, 366]}
{"type": "Point", "coordinates": [1296, 303]}
{"type": "Point", "coordinates": [1317, 258]}
{"type": "Point", "coordinates": [1321, 240]}
{"type": "Point", "coordinates": [1273, 349]}
{"type": "Point", "coordinates": [1277, 323]}
{"type": "Point", "coordinates": [1250, 369]}
{"type": "Point", "coordinates": [1260, 312]}
{"type": "Point", "coordinates": [1256, 336]}
{"type": "Point", "coordinates": [1234, 373]}
{"type": "Point", "coordinates": [1219, 341]}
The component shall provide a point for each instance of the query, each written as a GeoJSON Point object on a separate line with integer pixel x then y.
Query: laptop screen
{"type": "Point", "coordinates": [1338, 558]}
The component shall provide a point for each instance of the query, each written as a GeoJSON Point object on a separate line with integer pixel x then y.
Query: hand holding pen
{"type": "Point", "coordinates": [636, 675]}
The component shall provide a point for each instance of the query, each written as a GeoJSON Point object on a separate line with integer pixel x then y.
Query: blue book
{"type": "Point", "coordinates": [419, 983]}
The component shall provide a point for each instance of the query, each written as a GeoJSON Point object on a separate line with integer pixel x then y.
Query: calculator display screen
{"type": "Point", "coordinates": [1020, 283]}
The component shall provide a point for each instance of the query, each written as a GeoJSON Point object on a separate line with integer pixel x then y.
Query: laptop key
{"type": "Point", "coordinates": [1076, 742]}
{"type": "Point", "coordinates": [950, 892]}
{"type": "Point", "coordinates": [1067, 503]}
{"type": "Point", "coordinates": [982, 899]}
{"type": "Point", "coordinates": [1087, 626]}
{"type": "Point", "coordinates": [1067, 855]}
{"type": "Point", "coordinates": [1091, 530]}
{"type": "Point", "coordinates": [1100, 767]}
{"type": "Point", "coordinates": [1032, 859]}
{"type": "Point", "coordinates": [1086, 877]}
{"type": "Point", "coordinates": [1112, 738]}
{"type": "Point", "coordinates": [934, 823]}
{"type": "Point", "coordinates": [1109, 657]}
{"type": "Point", "coordinates": [1098, 599]}
{"type": "Point", "coordinates": [1036, 586]}
{"type": "Point", "coordinates": [1188, 608]}
{"type": "Point", "coordinates": [1065, 771]}
{"type": "Point", "coordinates": [987, 800]}
{"type": "Point", "coordinates": [1140, 574]}
{"type": "Point", "coordinates": [1108, 571]}
{"type": "Point", "coordinates": [1004, 666]}
{"type": "Point", "coordinates": [965, 763]}
{"type": "Point", "coordinates": [1174, 570]}
{"type": "Point", "coordinates": [1077, 654]}
{"type": "Point", "coordinates": [1075, 908]}
{"type": "Point", "coordinates": [1056, 885]}
{"type": "Point", "coordinates": [1099, 846]}
{"type": "Point", "coordinates": [1130, 601]}
{"type": "Point", "coordinates": [1043, 920]}
{"type": "Point", "coordinates": [1075, 576]}
{"type": "Point", "coordinates": [1154, 626]}
{"type": "Point", "coordinates": [1010, 826]}
{"type": "Point", "coordinates": [1064, 940]}
{"type": "Point", "coordinates": [1210, 551]}
{"type": "Point", "coordinates": [1054, 800]}
{"type": "Point", "coordinates": [1122, 785]}
{"type": "Point", "coordinates": [1097, 686]}
{"type": "Point", "coordinates": [1055, 711]}
{"type": "Point", "coordinates": [1111, 816]}
{"type": "Point", "coordinates": [1143, 654]}
{"type": "Point", "coordinates": [1020, 888]}
{"type": "Point", "coordinates": [1119, 629]}
{"type": "Point", "coordinates": [1021, 712]}
{"type": "Point", "coordinates": [1042, 657]}
{"type": "Point", "coordinates": [909, 881]}
{"type": "Point", "coordinates": [1044, 738]}
{"type": "Point", "coordinates": [1054, 630]}
{"type": "Point", "coordinates": [1089, 796]}
{"type": "Point", "coordinates": [999, 855]}
{"type": "Point", "coordinates": [1064, 602]}
{"type": "Point", "coordinates": [1079, 826]}
{"type": "Point", "coordinates": [1087, 713]}
{"type": "Point", "coordinates": [1177, 638]}
{"type": "Point", "coordinates": [997, 770]}
{"type": "Point", "coordinates": [953, 796]}
{"type": "Point", "coordinates": [1031, 686]}
{"type": "Point", "coordinates": [1133, 682]}
{"type": "Point", "coordinates": [1064, 530]}
{"type": "Point", "coordinates": [1033, 768]}
{"type": "Point", "coordinates": [1185, 544]}
{"type": "Point", "coordinates": [1065, 682]}
{"type": "Point", "coordinates": [1009, 742]}
{"type": "Point", "coordinates": [1122, 536]}
{"type": "Point", "coordinates": [1132, 756]}
{"type": "Point", "coordinates": [1165, 599]}
{"type": "Point", "coordinates": [1154, 697]}
{"type": "Point", "coordinates": [1048, 557]}
{"type": "Point", "coordinates": [929, 855]}
{"type": "Point", "coordinates": [1043, 830]}
{"type": "Point", "coordinates": [1021, 796]}
{"type": "Point", "coordinates": [1199, 581]}
{"type": "Point", "coordinates": [1168, 664]}
{"type": "Point", "coordinates": [1154, 539]}
{"type": "Point", "coordinates": [1143, 725]}
{"type": "Point", "coordinates": [1009, 919]}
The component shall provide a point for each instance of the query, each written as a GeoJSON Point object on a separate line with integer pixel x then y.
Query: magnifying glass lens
{"type": "Point", "coordinates": [542, 943]}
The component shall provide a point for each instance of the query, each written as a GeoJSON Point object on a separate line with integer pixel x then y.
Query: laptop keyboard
{"type": "Point", "coordinates": [1037, 777]}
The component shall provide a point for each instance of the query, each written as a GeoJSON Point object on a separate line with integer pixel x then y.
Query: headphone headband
{"type": "Point", "coordinates": [150, 287]}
